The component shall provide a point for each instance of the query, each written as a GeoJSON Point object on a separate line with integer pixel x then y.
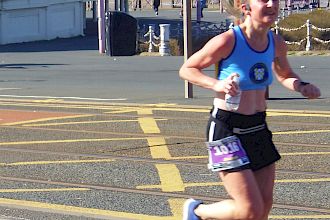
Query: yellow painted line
{"type": "Point", "coordinates": [84, 122]}
{"type": "Point", "coordinates": [49, 100]}
{"type": "Point", "coordinates": [46, 119]}
{"type": "Point", "coordinates": [169, 174]}
{"type": "Point", "coordinates": [144, 111]}
{"type": "Point", "coordinates": [149, 125]}
{"type": "Point", "coordinates": [139, 110]}
{"type": "Point", "coordinates": [304, 153]}
{"type": "Point", "coordinates": [56, 162]}
{"type": "Point", "coordinates": [170, 178]}
{"type": "Point", "coordinates": [166, 104]}
{"type": "Point", "coordinates": [158, 147]}
{"type": "Point", "coordinates": [65, 106]}
{"type": "Point", "coordinates": [196, 110]}
{"type": "Point", "coordinates": [282, 154]}
{"type": "Point", "coordinates": [121, 111]}
{"type": "Point", "coordinates": [42, 190]}
{"type": "Point", "coordinates": [188, 157]}
{"type": "Point", "coordinates": [205, 184]}
{"type": "Point", "coordinates": [74, 210]}
{"type": "Point", "coordinates": [68, 141]}
{"type": "Point", "coordinates": [299, 217]}
{"type": "Point", "coordinates": [298, 111]}
{"type": "Point", "coordinates": [303, 180]}
{"type": "Point", "coordinates": [176, 206]}
{"type": "Point", "coordinates": [155, 108]}
{"type": "Point", "coordinates": [297, 114]}
{"type": "Point", "coordinates": [301, 132]}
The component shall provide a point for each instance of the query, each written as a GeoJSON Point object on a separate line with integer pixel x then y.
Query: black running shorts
{"type": "Point", "coordinates": [252, 131]}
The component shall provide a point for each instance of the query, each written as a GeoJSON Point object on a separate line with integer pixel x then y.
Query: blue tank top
{"type": "Point", "coordinates": [254, 67]}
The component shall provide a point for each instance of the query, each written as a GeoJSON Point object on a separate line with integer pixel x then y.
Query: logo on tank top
{"type": "Point", "coordinates": [259, 73]}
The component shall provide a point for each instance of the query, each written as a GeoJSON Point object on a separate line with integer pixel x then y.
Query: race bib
{"type": "Point", "coordinates": [226, 153]}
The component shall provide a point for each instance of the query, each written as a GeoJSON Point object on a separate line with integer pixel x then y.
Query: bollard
{"type": "Point", "coordinates": [151, 34]}
{"type": "Point", "coordinates": [276, 27]}
{"type": "Point", "coordinates": [164, 49]}
{"type": "Point", "coordinates": [282, 13]}
{"type": "Point", "coordinates": [308, 38]}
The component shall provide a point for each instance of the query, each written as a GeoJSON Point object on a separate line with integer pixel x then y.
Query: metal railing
{"type": "Point", "coordinates": [163, 39]}
{"type": "Point", "coordinates": [308, 25]}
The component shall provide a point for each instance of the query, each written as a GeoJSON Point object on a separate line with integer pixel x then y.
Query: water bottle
{"type": "Point", "coordinates": [232, 102]}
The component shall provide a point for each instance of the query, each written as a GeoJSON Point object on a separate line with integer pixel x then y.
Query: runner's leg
{"type": "Point", "coordinates": [246, 200]}
{"type": "Point", "coordinates": [265, 178]}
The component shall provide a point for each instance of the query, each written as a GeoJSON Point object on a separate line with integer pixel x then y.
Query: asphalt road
{"type": "Point", "coordinates": [88, 136]}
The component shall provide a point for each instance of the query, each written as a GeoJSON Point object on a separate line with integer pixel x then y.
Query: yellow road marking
{"type": "Point", "coordinates": [304, 153]}
{"type": "Point", "coordinates": [42, 190]}
{"type": "Point", "coordinates": [296, 114]}
{"type": "Point", "coordinates": [56, 162]}
{"type": "Point", "coordinates": [301, 132]}
{"type": "Point", "coordinates": [159, 148]}
{"type": "Point", "coordinates": [170, 178]}
{"type": "Point", "coordinates": [121, 111]}
{"type": "Point", "coordinates": [283, 154]}
{"type": "Point", "coordinates": [303, 180]}
{"type": "Point", "coordinates": [74, 210]}
{"type": "Point", "coordinates": [49, 100]}
{"type": "Point", "coordinates": [85, 122]}
{"type": "Point", "coordinates": [68, 141]}
{"type": "Point", "coordinates": [169, 174]}
{"type": "Point", "coordinates": [167, 168]}
{"type": "Point", "coordinates": [187, 157]}
{"type": "Point", "coordinates": [205, 184]}
{"type": "Point", "coordinates": [139, 110]}
{"type": "Point", "coordinates": [175, 205]}
{"type": "Point", "coordinates": [149, 125]}
{"type": "Point", "coordinates": [46, 119]}
{"type": "Point", "coordinates": [182, 108]}
{"type": "Point", "coordinates": [144, 111]}
{"type": "Point", "coordinates": [66, 106]}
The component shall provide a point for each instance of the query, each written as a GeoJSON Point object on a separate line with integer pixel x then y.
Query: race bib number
{"type": "Point", "coordinates": [226, 153]}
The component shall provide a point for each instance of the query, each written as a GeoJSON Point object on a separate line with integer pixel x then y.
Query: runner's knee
{"type": "Point", "coordinates": [251, 212]}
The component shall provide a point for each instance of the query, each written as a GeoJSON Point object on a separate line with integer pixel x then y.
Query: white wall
{"type": "Point", "coordinates": [32, 20]}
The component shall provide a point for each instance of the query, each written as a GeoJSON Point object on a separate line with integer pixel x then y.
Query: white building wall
{"type": "Point", "coordinates": [32, 20]}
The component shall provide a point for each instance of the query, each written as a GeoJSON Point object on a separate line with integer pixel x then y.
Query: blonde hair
{"type": "Point", "coordinates": [234, 10]}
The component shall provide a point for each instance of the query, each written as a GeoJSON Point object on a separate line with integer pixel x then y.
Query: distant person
{"type": "Point", "coordinates": [155, 5]}
{"type": "Point", "coordinates": [181, 9]}
{"type": "Point", "coordinates": [137, 4]}
{"type": "Point", "coordinates": [203, 5]}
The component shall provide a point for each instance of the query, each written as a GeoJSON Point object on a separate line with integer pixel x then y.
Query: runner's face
{"type": "Point", "coordinates": [264, 11]}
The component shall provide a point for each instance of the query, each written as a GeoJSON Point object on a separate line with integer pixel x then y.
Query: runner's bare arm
{"type": "Point", "coordinates": [216, 49]}
{"type": "Point", "coordinates": [285, 74]}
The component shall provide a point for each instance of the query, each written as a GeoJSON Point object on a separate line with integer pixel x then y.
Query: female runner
{"type": "Point", "coordinates": [240, 144]}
